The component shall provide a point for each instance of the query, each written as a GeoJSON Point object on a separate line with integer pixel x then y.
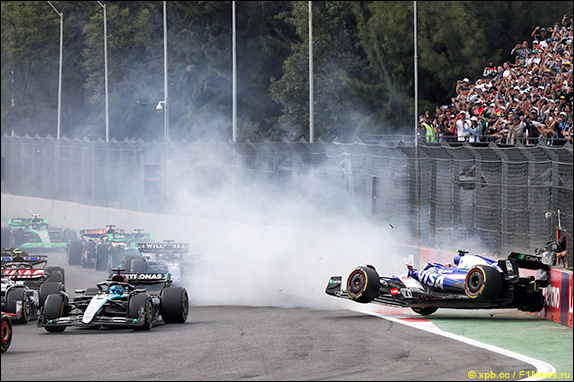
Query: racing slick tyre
{"type": "Point", "coordinates": [174, 305]}
{"type": "Point", "coordinates": [138, 265]}
{"type": "Point", "coordinates": [54, 307]}
{"type": "Point", "coordinates": [14, 298]}
{"type": "Point", "coordinates": [70, 234]}
{"type": "Point", "coordinates": [5, 237]}
{"type": "Point", "coordinates": [101, 262]}
{"type": "Point", "coordinates": [127, 261]}
{"type": "Point", "coordinates": [6, 330]}
{"type": "Point", "coordinates": [56, 274]}
{"type": "Point", "coordinates": [49, 288]}
{"type": "Point", "coordinates": [137, 302]}
{"type": "Point", "coordinates": [425, 311]}
{"type": "Point", "coordinates": [363, 284]}
{"type": "Point", "coordinates": [115, 256]}
{"type": "Point", "coordinates": [483, 283]}
{"type": "Point", "coordinates": [17, 238]}
{"type": "Point", "coordinates": [88, 254]}
{"type": "Point", "coordinates": [104, 250]}
{"type": "Point", "coordinates": [74, 251]}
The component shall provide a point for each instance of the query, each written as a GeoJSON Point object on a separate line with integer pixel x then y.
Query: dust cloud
{"type": "Point", "coordinates": [265, 245]}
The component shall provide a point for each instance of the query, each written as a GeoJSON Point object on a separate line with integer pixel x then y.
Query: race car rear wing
{"type": "Point", "coordinates": [527, 261]}
{"type": "Point", "coordinates": [165, 247]}
{"type": "Point", "coordinates": [97, 232]}
{"type": "Point", "coordinates": [22, 222]}
{"type": "Point", "coordinates": [32, 260]}
{"type": "Point", "coordinates": [140, 278]}
{"type": "Point", "coordinates": [544, 257]}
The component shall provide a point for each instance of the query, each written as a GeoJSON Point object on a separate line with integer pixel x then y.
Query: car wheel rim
{"type": "Point", "coordinates": [356, 283]}
{"type": "Point", "coordinates": [475, 281]}
{"type": "Point", "coordinates": [5, 332]}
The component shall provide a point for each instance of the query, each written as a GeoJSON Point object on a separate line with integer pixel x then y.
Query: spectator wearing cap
{"type": "Point", "coordinates": [474, 130]}
{"type": "Point", "coordinates": [499, 72]}
{"type": "Point", "coordinates": [498, 131]}
{"type": "Point", "coordinates": [522, 52]}
{"type": "Point", "coordinates": [429, 128]}
{"type": "Point", "coordinates": [535, 46]}
{"type": "Point", "coordinates": [562, 128]}
{"type": "Point", "coordinates": [479, 107]}
{"type": "Point", "coordinates": [556, 32]}
{"type": "Point", "coordinates": [462, 127]}
{"type": "Point", "coordinates": [536, 33]}
{"type": "Point", "coordinates": [542, 84]}
{"type": "Point", "coordinates": [532, 127]}
{"type": "Point", "coordinates": [543, 38]}
{"type": "Point", "coordinates": [490, 69]}
{"type": "Point", "coordinates": [474, 95]}
{"type": "Point", "coordinates": [507, 74]}
{"type": "Point", "coordinates": [516, 130]}
{"type": "Point", "coordinates": [462, 85]}
{"type": "Point", "coordinates": [565, 20]}
{"type": "Point", "coordinates": [464, 94]}
{"type": "Point", "coordinates": [440, 123]}
{"type": "Point", "coordinates": [450, 128]}
{"type": "Point", "coordinates": [568, 111]}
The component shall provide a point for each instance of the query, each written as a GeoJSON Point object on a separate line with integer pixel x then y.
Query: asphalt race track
{"type": "Point", "coordinates": [244, 343]}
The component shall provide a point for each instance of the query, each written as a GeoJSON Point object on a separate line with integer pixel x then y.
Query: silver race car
{"type": "Point", "coordinates": [121, 301]}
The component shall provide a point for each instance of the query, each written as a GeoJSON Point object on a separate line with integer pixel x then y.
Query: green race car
{"type": "Point", "coordinates": [113, 252]}
{"type": "Point", "coordinates": [35, 232]}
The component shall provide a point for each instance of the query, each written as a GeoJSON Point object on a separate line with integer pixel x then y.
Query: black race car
{"type": "Point", "coordinates": [168, 257]}
{"type": "Point", "coordinates": [26, 282]}
{"type": "Point", "coordinates": [119, 248]}
{"type": "Point", "coordinates": [473, 282]}
{"type": "Point", "coordinates": [121, 301]}
{"type": "Point", "coordinates": [83, 251]}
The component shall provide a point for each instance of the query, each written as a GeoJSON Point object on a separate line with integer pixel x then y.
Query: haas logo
{"type": "Point", "coordinates": [23, 273]}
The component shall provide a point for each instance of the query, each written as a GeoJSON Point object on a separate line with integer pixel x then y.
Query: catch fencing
{"type": "Point", "coordinates": [502, 198]}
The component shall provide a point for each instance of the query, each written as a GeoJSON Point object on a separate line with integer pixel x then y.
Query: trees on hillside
{"type": "Point", "coordinates": [363, 64]}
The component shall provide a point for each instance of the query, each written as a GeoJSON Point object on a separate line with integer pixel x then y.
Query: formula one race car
{"type": "Point", "coordinates": [120, 302]}
{"type": "Point", "coordinates": [83, 251]}
{"type": "Point", "coordinates": [6, 331]}
{"type": "Point", "coordinates": [26, 282]}
{"type": "Point", "coordinates": [120, 247]}
{"type": "Point", "coordinates": [474, 282]}
{"type": "Point", "coordinates": [35, 232]}
{"type": "Point", "coordinates": [166, 257]}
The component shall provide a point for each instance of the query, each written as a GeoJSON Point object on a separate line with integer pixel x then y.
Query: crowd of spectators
{"type": "Point", "coordinates": [528, 100]}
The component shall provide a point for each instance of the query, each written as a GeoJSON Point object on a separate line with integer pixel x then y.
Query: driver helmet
{"type": "Point", "coordinates": [118, 277]}
{"type": "Point", "coordinates": [456, 260]}
{"type": "Point", "coordinates": [19, 252]}
{"type": "Point", "coordinates": [116, 289]}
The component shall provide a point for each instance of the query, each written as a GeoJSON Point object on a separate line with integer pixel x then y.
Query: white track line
{"type": "Point", "coordinates": [543, 370]}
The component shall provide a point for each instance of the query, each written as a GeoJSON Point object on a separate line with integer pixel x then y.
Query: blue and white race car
{"type": "Point", "coordinates": [473, 282]}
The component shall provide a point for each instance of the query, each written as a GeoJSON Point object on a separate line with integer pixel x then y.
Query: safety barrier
{"type": "Point", "coordinates": [559, 298]}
